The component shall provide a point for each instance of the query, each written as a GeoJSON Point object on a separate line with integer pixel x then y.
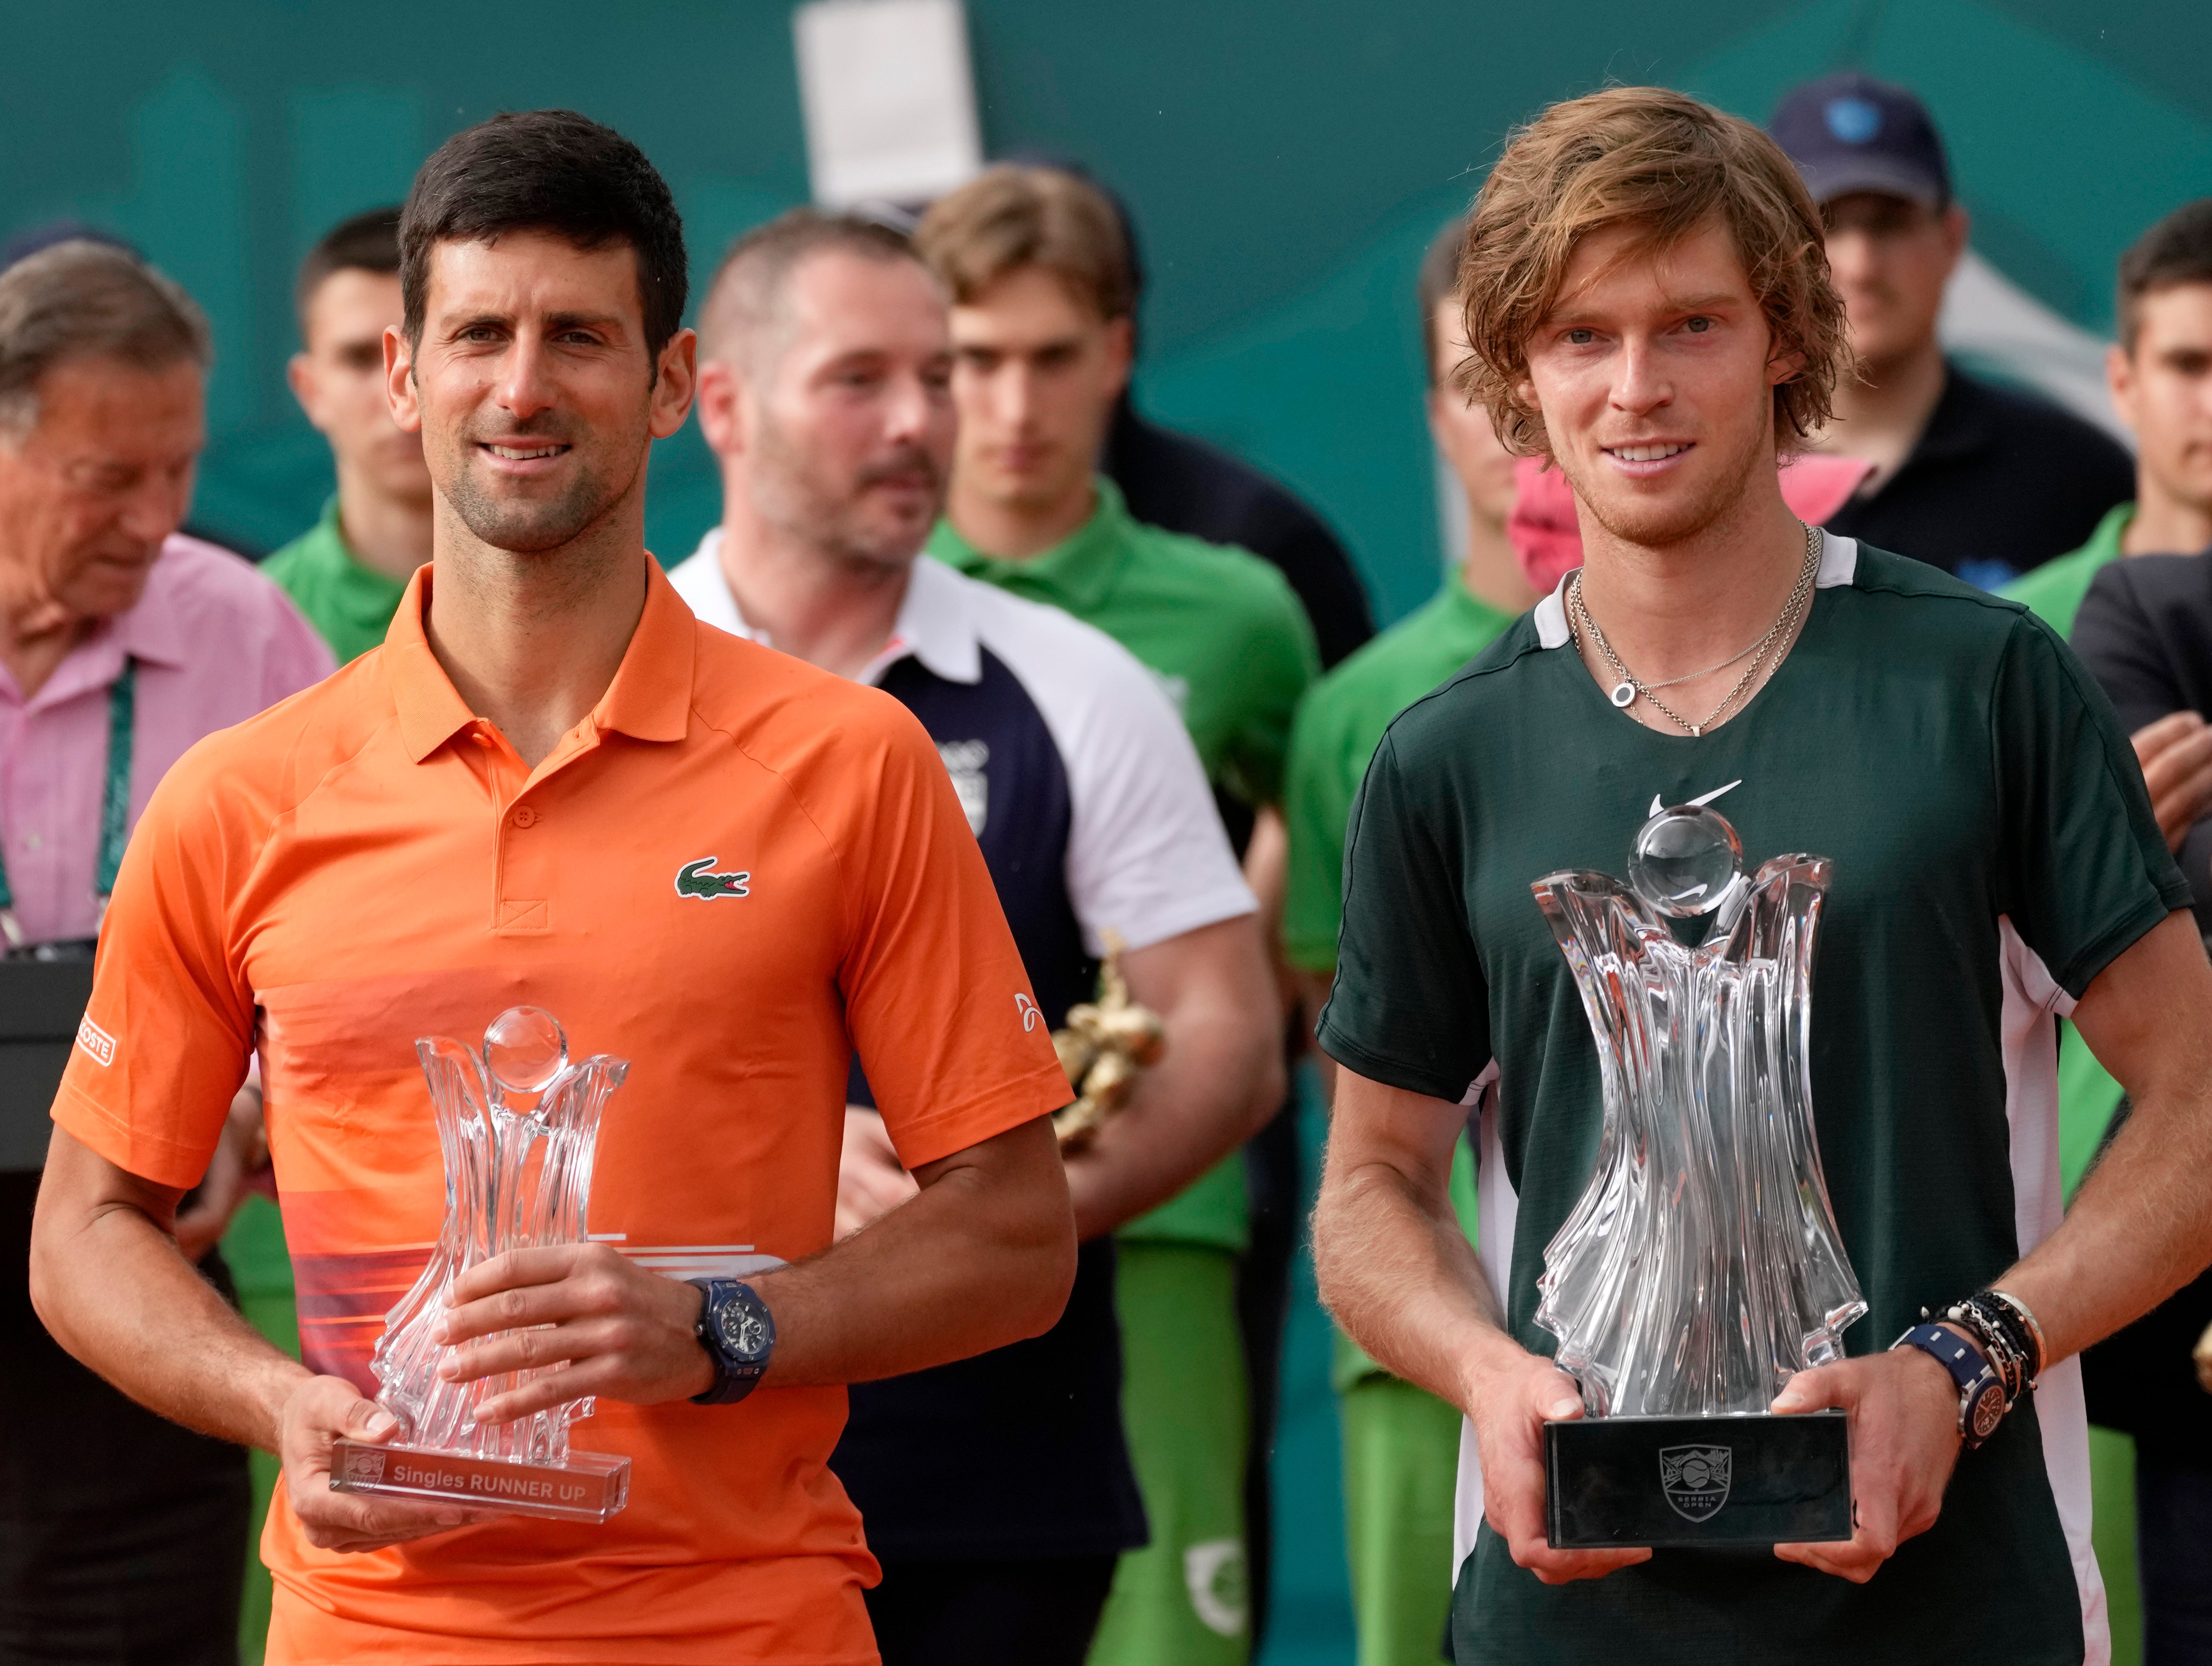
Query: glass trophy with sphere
{"type": "Point", "coordinates": [1701, 1268]}
{"type": "Point", "coordinates": [517, 1123]}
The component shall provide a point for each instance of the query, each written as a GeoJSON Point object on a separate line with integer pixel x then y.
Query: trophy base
{"type": "Point", "coordinates": [591, 1487]}
{"type": "Point", "coordinates": [1616, 1482]}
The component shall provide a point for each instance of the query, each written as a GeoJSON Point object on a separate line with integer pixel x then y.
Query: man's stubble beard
{"type": "Point", "coordinates": [827, 517]}
{"type": "Point", "coordinates": [1669, 525]}
{"type": "Point", "coordinates": [535, 526]}
{"type": "Point", "coordinates": [531, 528]}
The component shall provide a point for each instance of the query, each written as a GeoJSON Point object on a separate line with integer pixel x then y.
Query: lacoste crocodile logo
{"type": "Point", "coordinates": [692, 880]}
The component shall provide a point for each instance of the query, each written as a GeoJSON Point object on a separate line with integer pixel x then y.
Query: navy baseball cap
{"type": "Point", "coordinates": [1851, 132]}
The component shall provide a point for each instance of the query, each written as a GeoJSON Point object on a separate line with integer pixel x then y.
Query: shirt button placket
{"type": "Point", "coordinates": [526, 880]}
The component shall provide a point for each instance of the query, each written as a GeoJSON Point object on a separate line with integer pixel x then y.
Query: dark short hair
{"type": "Point", "coordinates": [1008, 218]}
{"type": "Point", "coordinates": [81, 300]}
{"type": "Point", "coordinates": [549, 171]}
{"type": "Point", "coordinates": [2176, 250]}
{"type": "Point", "coordinates": [746, 293]}
{"type": "Point", "coordinates": [1439, 281]}
{"type": "Point", "coordinates": [366, 242]}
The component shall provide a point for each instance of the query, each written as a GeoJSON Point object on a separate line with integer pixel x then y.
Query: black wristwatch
{"type": "Point", "coordinates": [738, 1334]}
{"type": "Point", "coordinates": [1982, 1402]}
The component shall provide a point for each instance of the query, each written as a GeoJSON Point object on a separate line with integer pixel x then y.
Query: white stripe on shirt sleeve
{"type": "Point", "coordinates": [1146, 855]}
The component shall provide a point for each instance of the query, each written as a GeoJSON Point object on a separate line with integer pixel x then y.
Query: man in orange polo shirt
{"type": "Point", "coordinates": [500, 805]}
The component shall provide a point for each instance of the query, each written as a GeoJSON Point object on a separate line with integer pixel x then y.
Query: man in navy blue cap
{"type": "Point", "coordinates": [1983, 481]}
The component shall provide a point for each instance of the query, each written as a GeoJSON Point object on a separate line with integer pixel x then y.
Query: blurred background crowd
{"type": "Point", "coordinates": [2011, 194]}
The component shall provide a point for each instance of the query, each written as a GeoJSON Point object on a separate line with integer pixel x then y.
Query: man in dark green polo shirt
{"type": "Point", "coordinates": [1400, 1442]}
{"type": "Point", "coordinates": [1041, 284]}
{"type": "Point", "coordinates": [1647, 304]}
{"type": "Point", "coordinates": [346, 572]}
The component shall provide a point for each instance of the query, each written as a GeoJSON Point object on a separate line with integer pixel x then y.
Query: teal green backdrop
{"type": "Point", "coordinates": [1286, 164]}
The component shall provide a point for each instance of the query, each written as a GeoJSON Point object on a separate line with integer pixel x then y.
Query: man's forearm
{"type": "Point", "coordinates": [1220, 1079]}
{"type": "Point", "coordinates": [2141, 1226]}
{"type": "Point", "coordinates": [2139, 1229]}
{"type": "Point", "coordinates": [113, 1289]}
{"type": "Point", "coordinates": [983, 1256]}
{"type": "Point", "coordinates": [1400, 1276]}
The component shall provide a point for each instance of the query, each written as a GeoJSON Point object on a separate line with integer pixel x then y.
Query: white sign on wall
{"type": "Point", "coordinates": [889, 98]}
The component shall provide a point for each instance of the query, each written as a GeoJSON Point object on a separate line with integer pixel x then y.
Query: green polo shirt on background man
{"type": "Point", "coordinates": [350, 603]}
{"type": "Point", "coordinates": [1225, 636]}
{"type": "Point", "coordinates": [1401, 1442]}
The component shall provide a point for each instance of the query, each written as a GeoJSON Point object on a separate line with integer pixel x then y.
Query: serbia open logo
{"type": "Point", "coordinates": [1695, 1479]}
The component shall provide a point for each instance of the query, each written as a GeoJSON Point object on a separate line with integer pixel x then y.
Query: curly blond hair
{"type": "Point", "coordinates": [1648, 157]}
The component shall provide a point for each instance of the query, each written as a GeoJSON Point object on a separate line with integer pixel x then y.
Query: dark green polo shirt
{"type": "Point", "coordinates": [1994, 849]}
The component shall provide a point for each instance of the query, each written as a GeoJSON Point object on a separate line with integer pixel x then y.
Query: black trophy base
{"type": "Point", "coordinates": [1613, 1482]}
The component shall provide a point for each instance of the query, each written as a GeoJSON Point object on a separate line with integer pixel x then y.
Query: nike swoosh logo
{"type": "Point", "coordinates": [1658, 808]}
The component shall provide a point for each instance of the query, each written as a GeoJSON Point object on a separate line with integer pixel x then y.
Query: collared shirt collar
{"type": "Point", "coordinates": [934, 623]}
{"type": "Point", "coordinates": [1078, 571]}
{"type": "Point", "coordinates": [331, 526]}
{"type": "Point", "coordinates": [1838, 566]}
{"type": "Point", "coordinates": [148, 630]}
{"type": "Point", "coordinates": [650, 698]}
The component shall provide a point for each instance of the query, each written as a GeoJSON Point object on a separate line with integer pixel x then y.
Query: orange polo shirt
{"type": "Point", "coordinates": [367, 863]}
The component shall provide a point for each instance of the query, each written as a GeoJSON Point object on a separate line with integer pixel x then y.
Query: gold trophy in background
{"type": "Point", "coordinates": [1102, 1048]}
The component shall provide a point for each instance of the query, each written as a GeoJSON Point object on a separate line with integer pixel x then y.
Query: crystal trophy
{"type": "Point", "coordinates": [516, 1127]}
{"type": "Point", "coordinates": [1701, 1268]}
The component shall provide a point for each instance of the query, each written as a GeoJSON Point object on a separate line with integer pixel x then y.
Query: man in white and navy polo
{"type": "Point", "coordinates": [998, 1491]}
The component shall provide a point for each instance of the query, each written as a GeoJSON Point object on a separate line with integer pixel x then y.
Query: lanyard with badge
{"type": "Point", "coordinates": [114, 828]}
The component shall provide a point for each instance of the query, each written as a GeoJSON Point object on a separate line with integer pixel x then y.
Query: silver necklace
{"type": "Point", "coordinates": [1626, 689]}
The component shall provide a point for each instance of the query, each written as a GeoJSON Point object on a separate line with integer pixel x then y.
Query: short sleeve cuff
{"type": "Point", "coordinates": [1230, 901]}
{"type": "Point", "coordinates": [937, 1134]}
{"type": "Point", "coordinates": [1391, 1072]}
{"type": "Point", "coordinates": [2078, 974]}
{"type": "Point", "coordinates": [163, 1162]}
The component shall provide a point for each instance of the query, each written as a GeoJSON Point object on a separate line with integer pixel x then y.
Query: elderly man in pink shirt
{"type": "Point", "coordinates": [121, 643]}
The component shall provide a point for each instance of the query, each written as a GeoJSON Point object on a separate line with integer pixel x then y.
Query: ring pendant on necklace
{"type": "Point", "coordinates": [1626, 691]}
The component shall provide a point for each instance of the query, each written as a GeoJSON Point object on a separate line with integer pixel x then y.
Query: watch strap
{"type": "Point", "coordinates": [1982, 1398]}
